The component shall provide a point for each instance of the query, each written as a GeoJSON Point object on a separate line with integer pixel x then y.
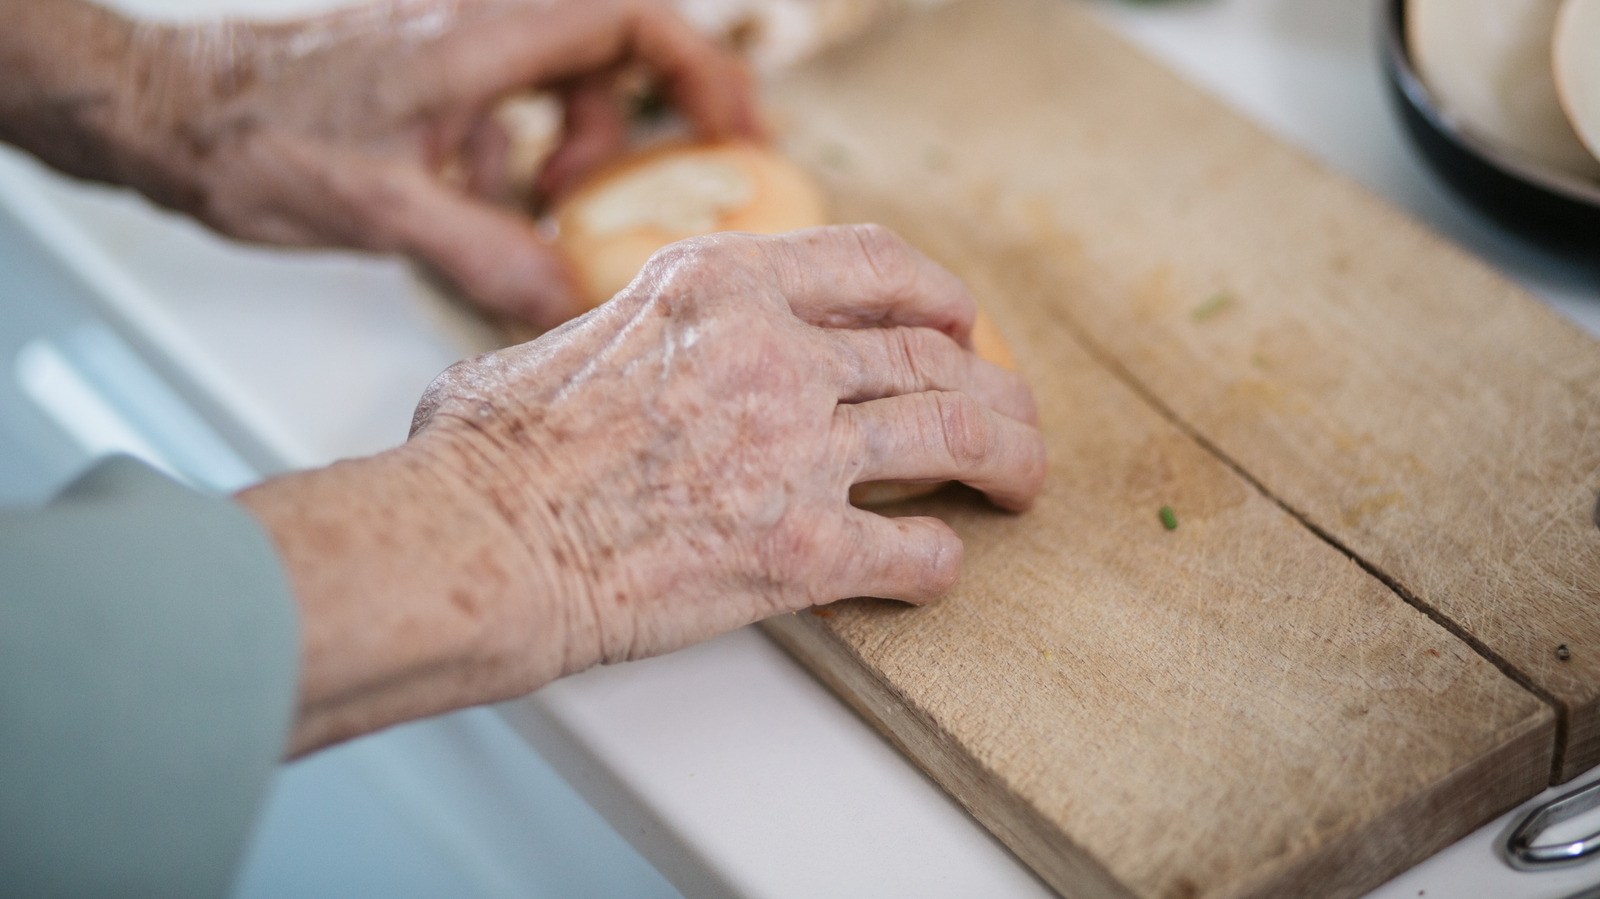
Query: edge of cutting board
{"type": "Point", "coordinates": [1349, 866]}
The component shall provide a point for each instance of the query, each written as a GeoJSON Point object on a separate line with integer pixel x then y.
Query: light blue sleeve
{"type": "Point", "coordinates": [148, 654]}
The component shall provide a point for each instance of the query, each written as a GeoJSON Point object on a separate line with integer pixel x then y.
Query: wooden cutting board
{"type": "Point", "coordinates": [1383, 460]}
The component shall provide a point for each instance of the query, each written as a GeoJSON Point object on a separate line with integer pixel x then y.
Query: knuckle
{"type": "Point", "coordinates": [684, 268]}
{"type": "Point", "coordinates": [728, 247]}
{"type": "Point", "coordinates": [944, 568]}
{"type": "Point", "coordinates": [923, 560]}
{"type": "Point", "coordinates": [846, 363]}
{"type": "Point", "coordinates": [901, 356]}
{"type": "Point", "coordinates": [846, 436]}
{"type": "Point", "coordinates": [962, 424]}
{"type": "Point", "coordinates": [443, 391]}
{"type": "Point", "coordinates": [917, 358]}
{"type": "Point", "coordinates": [888, 256]}
{"type": "Point", "coordinates": [675, 257]}
{"type": "Point", "coordinates": [933, 353]}
{"type": "Point", "coordinates": [874, 237]}
{"type": "Point", "coordinates": [709, 251]}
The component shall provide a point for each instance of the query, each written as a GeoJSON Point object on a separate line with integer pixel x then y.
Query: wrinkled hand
{"type": "Point", "coordinates": [672, 465]}
{"type": "Point", "coordinates": [683, 455]}
{"type": "Point", "coordinates": [345, 130]}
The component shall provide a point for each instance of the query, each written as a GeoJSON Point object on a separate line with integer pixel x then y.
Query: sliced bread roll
{"type": "Point", "coordinates": [625, 212]}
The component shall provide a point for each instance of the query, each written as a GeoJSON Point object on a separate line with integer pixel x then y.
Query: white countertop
{"type": "Point", "coordinates": [727, 765]}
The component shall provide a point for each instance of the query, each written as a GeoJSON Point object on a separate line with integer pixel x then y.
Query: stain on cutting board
{"type": "Point", "coordinates": [1108, 695]}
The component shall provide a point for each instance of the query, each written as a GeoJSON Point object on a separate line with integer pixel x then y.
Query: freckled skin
{"type": "Point", "coordinates": [669, 466]}
{"type": "Point", "coordinates": [700, 488]}
{"type": "Point", "coordinates": [369, 127]}
{"type": "Point", "coordinates": [616, 490]}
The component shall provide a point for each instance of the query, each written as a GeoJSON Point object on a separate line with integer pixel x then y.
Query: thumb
{"type": "Point", "coordinates": [595, 131]}
{"type": "Point", "coordinates": [495, 257]}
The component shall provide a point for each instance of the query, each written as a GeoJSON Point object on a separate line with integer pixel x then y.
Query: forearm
{"type": "Point", "coordinates": [410, 591]}
{"type": "Point", "coordinates": [101, 97]}
{"type": "Point", "coordinates": [66, 64]}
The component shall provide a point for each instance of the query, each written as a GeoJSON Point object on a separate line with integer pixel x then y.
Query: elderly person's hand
{"type": "Point", "coordinates": [368, 128]}
{"type": "Point", "coordinates": [670, 466]}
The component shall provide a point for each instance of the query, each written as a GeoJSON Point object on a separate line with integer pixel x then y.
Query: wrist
{"type": "Point", "coordinates": [62, 59]}
{"type": "Point", "coordinates": [161, 131]}
{"type": "Point", "coordinates": [102, 97]}
{"type": "Point", "coordinates": [411, 596]}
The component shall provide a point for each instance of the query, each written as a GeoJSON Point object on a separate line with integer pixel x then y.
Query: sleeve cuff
{"type": "Point", "coordinates": [148, 652]}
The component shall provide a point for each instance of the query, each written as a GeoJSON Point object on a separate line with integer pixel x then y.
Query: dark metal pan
{"type": "Point", "coordinates": [1556, 209]}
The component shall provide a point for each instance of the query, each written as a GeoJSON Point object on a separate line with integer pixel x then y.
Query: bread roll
{"type": "Point", "coordinates": [622, 214]}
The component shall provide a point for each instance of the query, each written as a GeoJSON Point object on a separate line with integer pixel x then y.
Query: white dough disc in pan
{"type": "Point", "coordinates": [1487, 63]}
{"type": "Point", "coordinates": [1577, 68]}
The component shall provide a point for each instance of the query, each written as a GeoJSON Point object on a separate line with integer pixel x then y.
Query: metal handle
{"type": "Point", "coordinates": [1525, 856]}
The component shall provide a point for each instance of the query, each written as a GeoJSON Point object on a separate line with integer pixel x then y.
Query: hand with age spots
{"type": "Point", "coordinates": [670, 466]}
{"type": "Point", "coordinates": [368, 127]}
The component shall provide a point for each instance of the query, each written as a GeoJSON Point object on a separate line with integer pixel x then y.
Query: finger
{"type": "Point", "coordinates": [595, 131]}
{"type": "Point", "coordinates": [495, 256]}
{"type": "Point", "coordinates": [860, 276]}
{"type": "Point", "coordinates": [496, 52]}
{"type": "Point", "coordinates": [711, 86]}
{"type": "Point", "coordinates": [885, 362]}
{"type": "Point", "coordinates": [486, 157]}
{"type": "Point", "coordinates": [910, 559]}
{"type": "Point", "coordinates": [945, 436]}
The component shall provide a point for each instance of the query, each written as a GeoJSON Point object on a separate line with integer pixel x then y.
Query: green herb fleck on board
{"type": "Point", "coordinates": [1211, 307]}
{"type": "Point", "coordinates": [1169, 519]}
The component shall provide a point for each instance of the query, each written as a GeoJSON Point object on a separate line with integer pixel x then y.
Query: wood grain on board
{"type": "Point", "coordinates": [1407, 403]}
{"type": "Point", "coordinates": [1231, 708]}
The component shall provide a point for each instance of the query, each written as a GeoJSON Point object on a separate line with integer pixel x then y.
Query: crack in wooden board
{"type": "Point", "coordinates": [1106, 703]}
{"type": "Point", "coordinates": [1391, 390]}
{"type": "Point", "coordinates": [1111, 698]}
